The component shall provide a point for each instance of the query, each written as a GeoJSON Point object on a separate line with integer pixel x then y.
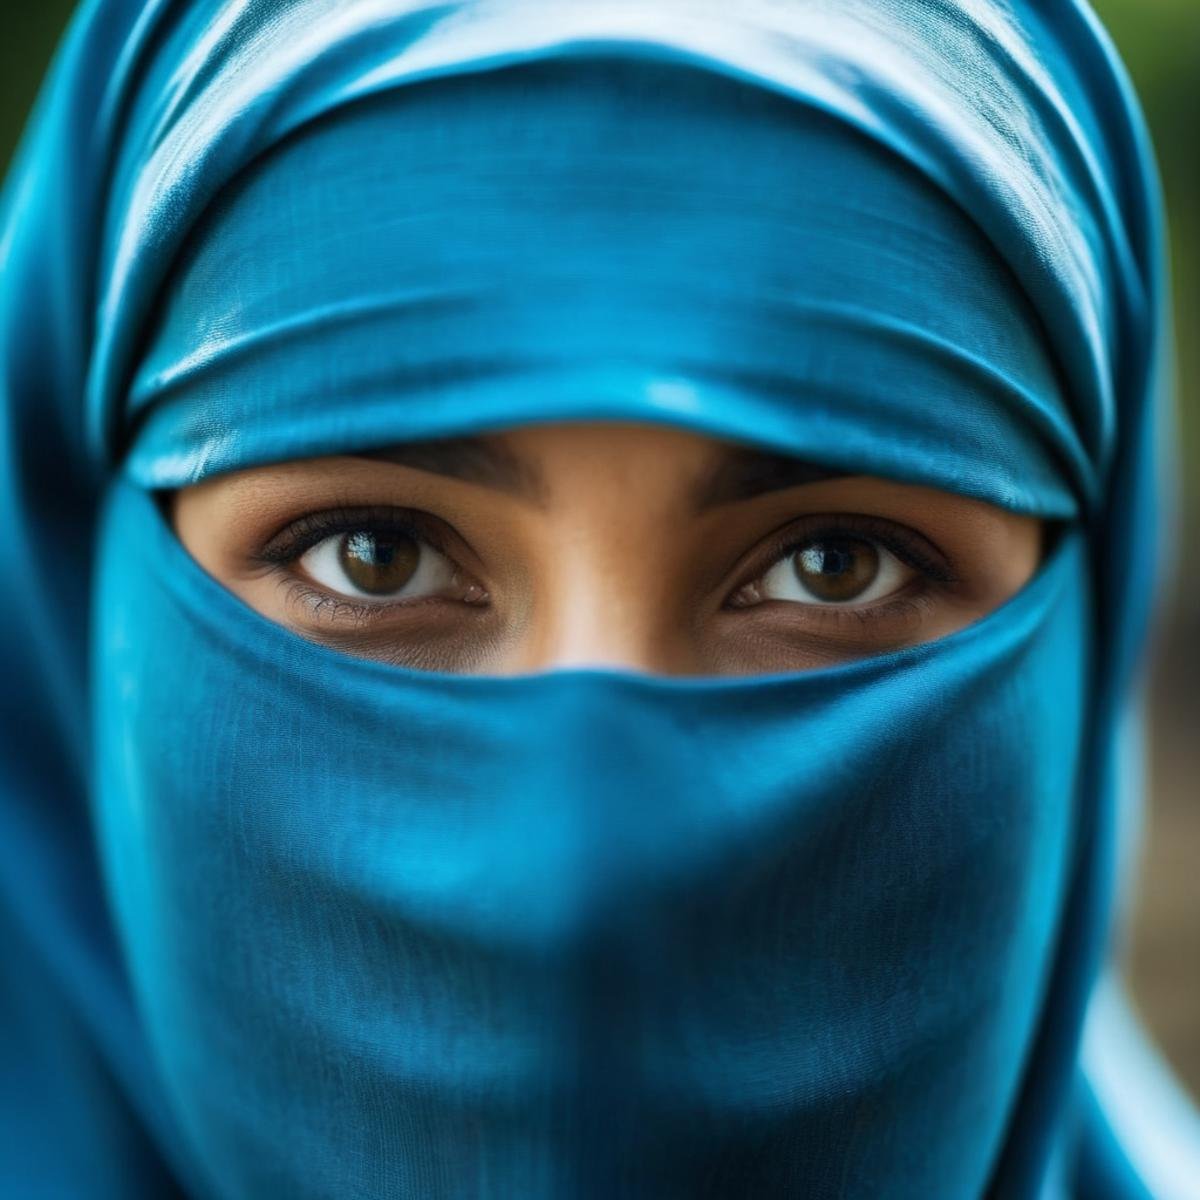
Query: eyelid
{"type": "Point", "coordinates": [299, 535]}
{"type": "Point", "coordinates": [909, 546]}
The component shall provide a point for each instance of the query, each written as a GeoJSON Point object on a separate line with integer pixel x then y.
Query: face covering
{"type": "Point", "coordinates": [306, 925]}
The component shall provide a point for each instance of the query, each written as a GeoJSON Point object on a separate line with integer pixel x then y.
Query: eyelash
{"type": "Point", "coordinates": [906, 544]}
{"type": "Point", "coordinates": [288, 545]}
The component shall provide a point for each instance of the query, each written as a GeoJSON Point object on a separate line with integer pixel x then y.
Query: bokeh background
{"type": "Point", "coordinates": [1160, 41]}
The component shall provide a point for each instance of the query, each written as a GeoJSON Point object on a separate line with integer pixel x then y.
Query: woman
{"type": "Point", "coordinates": [619, 537]}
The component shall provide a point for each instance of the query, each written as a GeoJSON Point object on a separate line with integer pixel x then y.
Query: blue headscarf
{"type": "Point", "coordinates": [281, 922]}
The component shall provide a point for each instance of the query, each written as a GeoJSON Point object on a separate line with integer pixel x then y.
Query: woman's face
{"type": "Point", "coordinates": [635, 546]}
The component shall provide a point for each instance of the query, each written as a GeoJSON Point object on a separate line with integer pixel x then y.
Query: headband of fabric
{"type": "Point", "coordinates": [891, 265]}
{"type": "Point", "coordinates": [610, 240]}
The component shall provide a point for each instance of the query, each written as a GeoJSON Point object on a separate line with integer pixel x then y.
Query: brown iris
{"type": "Point", "coordinates": [837, 569]}
{"type": "Point", "coordinates": [378, 563]}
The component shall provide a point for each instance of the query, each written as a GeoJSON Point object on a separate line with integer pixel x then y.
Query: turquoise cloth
{"type": "Point", "coordinates": [282, 922]}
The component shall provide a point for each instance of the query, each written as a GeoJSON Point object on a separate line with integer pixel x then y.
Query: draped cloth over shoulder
{"type": "Point", "coordinates": [279, 922]}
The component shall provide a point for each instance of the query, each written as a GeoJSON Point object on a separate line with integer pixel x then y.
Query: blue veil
{"type": "Point", "coordinates": [278, 922]}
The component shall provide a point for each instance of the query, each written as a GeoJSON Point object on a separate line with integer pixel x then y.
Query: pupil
{"type": "Point", "coordinates": [837, 569]}
{"type": "Point", "coordinates": [378, 563]}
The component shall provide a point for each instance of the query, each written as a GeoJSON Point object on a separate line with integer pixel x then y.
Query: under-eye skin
{"type": "Point", "coordinates": [833, 587]}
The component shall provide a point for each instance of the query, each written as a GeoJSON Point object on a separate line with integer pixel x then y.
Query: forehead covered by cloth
{"type": "Point", "coordinates": [601, 239]}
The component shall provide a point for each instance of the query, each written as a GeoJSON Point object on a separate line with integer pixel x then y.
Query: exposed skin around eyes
{"type": "Point", "coordinates": [641, 547]}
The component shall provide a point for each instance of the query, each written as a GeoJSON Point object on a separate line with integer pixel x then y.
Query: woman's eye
{"type": "Point", "coordinates": [377, 565]}
{"type": "Point", "coordinates": [836, 570]}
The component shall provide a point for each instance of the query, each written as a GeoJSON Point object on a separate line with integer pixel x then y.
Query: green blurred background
{"type": "Point", "coordinates": [1160, 40]}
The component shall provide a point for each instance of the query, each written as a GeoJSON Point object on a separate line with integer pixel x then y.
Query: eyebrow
{"type": "Point", "coordinates": [745, 472]}
{"type": "Point", "coordinates": [471, 459]}
{"type": "Point", "coordinates": [741, 472]}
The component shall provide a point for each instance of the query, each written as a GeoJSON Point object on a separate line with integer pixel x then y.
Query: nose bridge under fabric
{"type": "Point", "coordinates": [639, 934]}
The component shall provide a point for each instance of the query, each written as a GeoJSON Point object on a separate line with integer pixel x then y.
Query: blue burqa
{"type": "Point", "coordinates": [279, 922]}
